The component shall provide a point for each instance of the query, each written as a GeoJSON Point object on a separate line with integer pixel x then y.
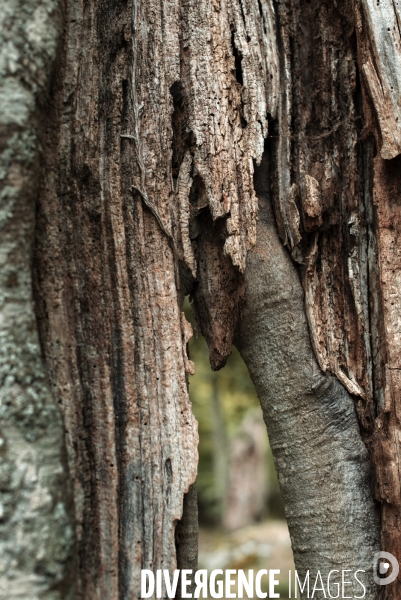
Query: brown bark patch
{"type": "Point", "coordinates": [107, 300]}
{"type": "Point", "coordinates": [219, 292]}
{"type": "Point", "coordinates": [387, 436]}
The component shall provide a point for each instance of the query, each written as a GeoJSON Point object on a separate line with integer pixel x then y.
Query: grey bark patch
{"type": "Point", "coordinates": [322, 463]}
{"type": "Point", "coordinates": [36, 528]}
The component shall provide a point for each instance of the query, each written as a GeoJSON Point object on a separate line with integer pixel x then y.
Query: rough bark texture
{"type": "Point", "coordinates": [157, 118]}
{"type": "Point", "coordinates": [378, 25]}
{"type": "Point", "coordinates": [35, 506]}
{"type": "Point", "coordinates": [113, 334]}
{"type": "Point", "coordinates": [159, 109]}
{"type": "Point", "coordinates": [379, 57]}
{"type": "Point", "coordinates": [387, 433]}
{"type": "Point", "coordinates": [228, 74]}
{"type": "Point", "coordinates": [187, 539]}
{"type": "Point", "coordinates": [327, 221]}
{"type": "Point", "coordinates": [323, 188]}
{"type": "Point", "coordinates": [336, 207]}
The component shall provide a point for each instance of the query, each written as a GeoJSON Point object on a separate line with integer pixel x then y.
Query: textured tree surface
{"type": "Point", "coordinates": [158, 117]}
{"type": "Point", "coordinates": [323, 466]}
{"type": "Point", "coordinates": [139, 135]}
{"type": "Point", "coordinates": [113, 335]}
{"type": "Point", "coordinates": [347, 195]}
{"type": "Point", "coordinates": [36, 533]}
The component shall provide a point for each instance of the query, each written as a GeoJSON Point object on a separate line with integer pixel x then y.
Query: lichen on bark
{"type": "Point", "coordinates": [158, 118]}
{"type": "Point", "coordinates": [36, 526]}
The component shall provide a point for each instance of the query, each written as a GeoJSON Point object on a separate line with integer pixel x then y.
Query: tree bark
{"type": "Point", "coordinates": [36, 528]}
{"type": "Point", "coordinates": [112, 331]}
{"type": "Point", "coordinates": [187, 540]}
{"type": "Point", "coordinates": [127, 143]}
{"type": "Point", "coordinates": [155, 121]}
{"type": "Point", "coordinates": [322, 464]}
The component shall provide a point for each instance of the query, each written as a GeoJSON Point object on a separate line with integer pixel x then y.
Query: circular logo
{"type": "Point", "coordinates": [384, 567]}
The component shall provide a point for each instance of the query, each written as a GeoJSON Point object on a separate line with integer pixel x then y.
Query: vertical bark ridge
{"type": "Point", "coordinates": [216, 125]}
{"type": "Point", "coordinates": [319, 199]}
{"type": "Point", "coordinates": [106, 290]}
{"type": "Point", "coordinates": [229, 80]}
{"type": "Point", "coordinates": [159, 115]}
{"type": "Point", "coordinates": [139, 116]}
{"type": "Point", "coordinates": [378, 26]}
{"type": "Point", "coordinates": [386, 436]}
{"type": "Point", "coordinates": [341, 202]}
{"type": "Point", "coordinates": [187, 534]}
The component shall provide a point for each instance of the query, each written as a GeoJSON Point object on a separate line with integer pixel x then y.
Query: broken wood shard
{"type": "Point", "coordinates": [212, 82]}
{"type": "Point", "coordinates": [379, 36]}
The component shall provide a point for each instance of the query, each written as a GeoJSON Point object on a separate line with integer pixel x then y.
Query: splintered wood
{"type": "Point", "coordinates": [378, 24]}
{"type": "Point", "coordinates": [217, 64]}
{"type": "Point", "coordinates": [158, 113]}
{"type": "Point", "coordinates": [337, 206]}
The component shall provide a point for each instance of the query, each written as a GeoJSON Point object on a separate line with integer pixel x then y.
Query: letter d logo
{"type": "Point", "coordinates": [384, 567]}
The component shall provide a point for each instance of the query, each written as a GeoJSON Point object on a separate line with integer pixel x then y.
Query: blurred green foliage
{"type": "Point", "coordinates": [233, 391]}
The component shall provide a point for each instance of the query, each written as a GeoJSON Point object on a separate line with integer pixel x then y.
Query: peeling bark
{"type": "Point", "coordinates": [378, 25]}
{"type": "Point", "coordinates": [158, 117]}
{"type": "Point", "coordinates": [187, 534]}
{"type": "Point", "coordinates": [325, 209]}
{"type": "Point", "coordinates": [386, 437]}
{"type": "Point", "coordinates": [341, 194]}
{"type": "Point", "coordinates": [339, 87]}
{"type": "Point", "coordinates": [111, 328]}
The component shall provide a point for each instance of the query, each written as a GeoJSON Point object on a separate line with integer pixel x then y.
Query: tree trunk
{"type": "Point", "coordinates": [107, 298]}
{"type": "Point", "coordinates": [247, 488]}
{"type": "Point", "coordinates": [36, 528]}
{"type": "Point", "coordinates": [157, 116]}
{"type": "Point", "coordinates": [321, 461]}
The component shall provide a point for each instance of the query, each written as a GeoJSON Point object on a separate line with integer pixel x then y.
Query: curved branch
{"type": "Point", "coordinates": [321, 461]}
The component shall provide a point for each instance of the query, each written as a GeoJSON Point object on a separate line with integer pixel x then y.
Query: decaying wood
{"type": "Point", "coordinates": [36, 532]}
{"type": "Point", "coordinates": [219, 292]}
{"type": "Point", "coordinates": [387, 433]}
{"type": "Point", "coordinates": [378, 26]}
{"type": "Point", "coordinates": [323, 218]}
{"type": "Point", "coordinates": [187, 540]}
{"type": "Point", "coordinates": [158, 116]}
{"type": "Point", "coordinates": [158, 112]}
{"type": "Point", "coordinates": [111, 327]}
{"type": "Point", "coordinates": [339, 216]}
{"type": "Point", "coordinates": [379, 54]}
{"type": "Point", "coordinates": [209, 97]}
{"type": "Point", "coordinates": [338, 213]}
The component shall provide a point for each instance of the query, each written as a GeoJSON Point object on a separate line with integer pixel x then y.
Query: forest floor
{"type": "Point", "coordinates": [264, 545]}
